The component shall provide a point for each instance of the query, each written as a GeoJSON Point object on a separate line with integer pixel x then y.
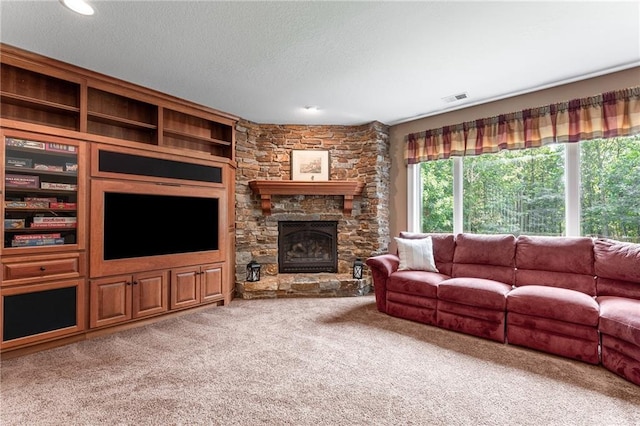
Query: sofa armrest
{"type": "Point", "coordinates": [382, 266]}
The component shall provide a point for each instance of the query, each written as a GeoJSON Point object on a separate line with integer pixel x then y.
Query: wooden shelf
{"type": "Point", "coordinates": [267, 188]}
{"type": "Point", "coordinates": [16, 99]}
{"type": "Point", "coordinates": [119, 121]}
{"type": "Point", "coordinates": [43, 229]}
{"type": "Point", "coordinates": [39, 209]}
{"type": "Point", "coordinates": [184, 135]}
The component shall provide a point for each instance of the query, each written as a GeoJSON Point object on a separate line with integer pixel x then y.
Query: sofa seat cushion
{"type": "Point", "coordinates": [478, 292]}
{"type": "Point", "coordinates": [421, 283]}
{"type": "Point", "coordinates": [555, 303]}
{"type": "Point", "coordinates": [620, 317]}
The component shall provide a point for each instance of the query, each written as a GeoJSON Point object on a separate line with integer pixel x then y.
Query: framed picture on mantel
{"type": "Point", "coordinates": [310, 164]}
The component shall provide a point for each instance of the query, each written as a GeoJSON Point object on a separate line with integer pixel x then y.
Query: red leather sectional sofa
{"type": "Point", "coordinates": [575, 297]}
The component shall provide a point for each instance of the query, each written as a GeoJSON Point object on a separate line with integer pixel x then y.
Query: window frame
{"type": "Point", "coordinates": [572, 194]}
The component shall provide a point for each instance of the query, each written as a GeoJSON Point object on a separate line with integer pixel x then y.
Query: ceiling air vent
{"type": "Point", "coordinates": [455, 98]}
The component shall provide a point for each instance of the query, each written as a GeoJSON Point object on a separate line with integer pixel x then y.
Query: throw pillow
{"type": "Point", "coordinates": [416, 254]}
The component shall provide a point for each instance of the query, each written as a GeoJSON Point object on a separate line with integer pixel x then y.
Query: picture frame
{"type": "Point", "coordinates": [310, 165]}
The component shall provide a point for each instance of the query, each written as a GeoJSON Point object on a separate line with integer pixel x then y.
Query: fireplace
{"type": "Point", "coordinates": [307, 246]}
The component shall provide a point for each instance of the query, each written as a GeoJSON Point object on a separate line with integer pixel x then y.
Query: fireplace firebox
{"type": "Point", "coordinates": [307, 246]}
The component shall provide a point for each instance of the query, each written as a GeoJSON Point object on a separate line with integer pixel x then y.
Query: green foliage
{"type": "Point", "coordinates": [610, 188]}
{"type": "Point", "coordinates": [516, 192]}
{"type": "Point", "coordinates": [522, 192]}
{"type": "Point", "coordinates": [437, 196]}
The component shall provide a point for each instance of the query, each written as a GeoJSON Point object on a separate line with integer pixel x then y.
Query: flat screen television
{"type": "Point", "coordinates": [142, 226]}
{"type": "Point", "coordinates": [138, 225]}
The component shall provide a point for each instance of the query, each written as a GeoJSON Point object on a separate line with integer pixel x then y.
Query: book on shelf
{"type": "Point", "coordinates": [58, 147]}
{"type": "Point", "coordinates": [48, 167]}
{"type": "Point", "coordinates": [70, 167]}
{"type": "Point", "coordinates": [36, 236]}
{"type": "Point", "coordinates": [59, 186]}
{"type": "Point", "coordinates": [53, 222]}
{"type": "Point", "coordinates": [54, 219]}
{"type": "Point", "coordinates": [21, 181]}
{"type": "Point", "coordinates": [37, 242]}
{"type": "Point", "coordinates": [63, 205]}
{"type": "Point", "coordinates": [41, 225]}
{"type": "Point", "coordinates": [19, 162]}
{"type": "Point", "coordinates": [26, 204]}
{"type": "Point", "coordinates": [47, 199]}
{"type": "Point", "coordinates": [23, 143]}
{"type": "Point", "coordinates": [13, 223]}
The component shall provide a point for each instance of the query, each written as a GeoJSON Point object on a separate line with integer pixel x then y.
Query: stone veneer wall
{"type": "Point", "coordinates": [359, 153]}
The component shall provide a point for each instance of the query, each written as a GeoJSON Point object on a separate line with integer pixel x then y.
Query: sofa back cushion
{"type": "Point", "coordinates": [485, 256]}
{"type": "Point", "coordinates": [443, 247]}
{"type": "Point", "coordinates": [565, 262]}
{"type": "Point", "coordinates": [617, 267]}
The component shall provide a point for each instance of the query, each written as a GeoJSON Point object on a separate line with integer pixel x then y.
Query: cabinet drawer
{"type": "Point", "coordinates": [41, 268]}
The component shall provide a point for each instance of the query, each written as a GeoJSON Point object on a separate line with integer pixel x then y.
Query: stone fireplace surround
{"type": "Point", "coordinates": [358, 153]}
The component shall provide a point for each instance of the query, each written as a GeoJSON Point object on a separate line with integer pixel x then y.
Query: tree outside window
{"type": "Point", "coordinates": [523, 191]}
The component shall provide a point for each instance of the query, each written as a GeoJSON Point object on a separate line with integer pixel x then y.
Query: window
{"type": "Point", "coordinates": [528, 191]}
{"type": "Point", "coordinates": [610, 188]}
{"type": "Point", "coordinates": [516, 192]}
{"type": "Point", "coordinates": [437, 196]}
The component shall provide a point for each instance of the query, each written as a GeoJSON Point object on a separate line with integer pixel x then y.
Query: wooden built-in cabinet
{"type": "Point", "coordinates": [37, 98]}
{"type": "Point", "coordinates": [43, 193]}
{"type": "Point", "coordinates": [118, 116]}
{"type": "Point", "coordinates": [47, 92]}
{"type": "Point", "coordinates": [194, 285]}
{"type": "Point", "coordinates": [42, 297]}
{"type": "Point", "coordinates": [122, 298]}
{"type": "Point", "coordinates": [88, 136]}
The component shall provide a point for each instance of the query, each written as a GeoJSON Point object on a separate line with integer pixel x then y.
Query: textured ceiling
{"type": "Point", "coordinates": [357, 61]}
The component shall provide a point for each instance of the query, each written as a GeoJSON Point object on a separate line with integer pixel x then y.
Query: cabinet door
{"type": "Point", "coordinates": [110, 301]}
{"type": "Point", "coordinates": [211, 283]}
{"type": "Point", "coordinates": [43, 199]}
{"type": "Point", "coordinates": [185, 287]}
{"type": "Point", "coordinates": [150, 293]}
{"type": "Point", "coordinates": [35, 313]}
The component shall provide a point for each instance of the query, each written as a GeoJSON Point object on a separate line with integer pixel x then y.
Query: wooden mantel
{"type": "Point", "coordinates": [267, 188]}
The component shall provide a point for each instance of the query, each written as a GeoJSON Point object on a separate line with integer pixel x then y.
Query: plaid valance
{"type": "Point", "coordinates": [606, 115]}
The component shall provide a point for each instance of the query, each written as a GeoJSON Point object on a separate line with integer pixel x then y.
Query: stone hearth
{"type": "Point", "coordinates": [357, 153]}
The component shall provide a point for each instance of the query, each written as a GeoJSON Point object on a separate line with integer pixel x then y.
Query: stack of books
{"type": "Point", "coordinates": [53, 222]}
{"type": "Point", "coordinates": [30, 240]}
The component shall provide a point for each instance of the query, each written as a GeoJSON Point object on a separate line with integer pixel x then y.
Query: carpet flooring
{"type": "Point", "coordinates": [327, 361]}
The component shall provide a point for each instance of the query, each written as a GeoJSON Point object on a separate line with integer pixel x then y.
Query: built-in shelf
{"type": "Point", "coordinates": [267, 188]}
{"type": "Point", "coordinates": [13, 98]}
{"type": "Point", "coordinates": [119, 121]}
{"type": "Point", "coordinates": [187, 136]}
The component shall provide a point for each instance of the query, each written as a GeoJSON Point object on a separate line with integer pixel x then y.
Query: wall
{"type": "Point", "coordinates": [397, 133]}
{"type": "Point", "coordinates": [358, 153]}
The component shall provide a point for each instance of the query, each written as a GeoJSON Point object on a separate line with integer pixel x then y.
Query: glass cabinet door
{"type": "Point", "coordinates": [40, 193]}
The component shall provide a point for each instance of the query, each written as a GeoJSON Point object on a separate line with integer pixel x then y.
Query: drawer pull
{"type": "Point", "coordinates": [42, 268]}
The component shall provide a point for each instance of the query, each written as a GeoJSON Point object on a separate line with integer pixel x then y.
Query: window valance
{"type": "Point", "coordinates": [606, 115]}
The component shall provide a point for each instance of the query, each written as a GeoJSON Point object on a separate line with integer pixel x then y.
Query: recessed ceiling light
{"type": "Point", "coordinates": [78, 6]}
{"type": "Point", "coordinates": [311, 108]}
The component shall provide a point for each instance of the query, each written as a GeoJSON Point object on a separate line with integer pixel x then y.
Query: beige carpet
{"type": "Point", "coordinates": [333, 361]}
